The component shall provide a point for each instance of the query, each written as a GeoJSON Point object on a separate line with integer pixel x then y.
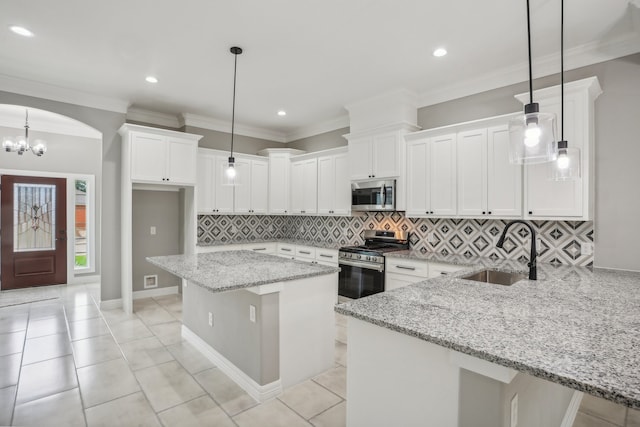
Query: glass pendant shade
{"type": "Point", "coordinates": [567, 165]}
{"type": "Point", "coordinates": [230, 173]}
{"type": "Point", "coordinates": [532, 137]}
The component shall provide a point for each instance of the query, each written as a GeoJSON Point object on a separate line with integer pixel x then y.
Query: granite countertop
{"type": "Point", "coordinates": [226, 271]}
{"type": "Point", "coordinates": [461, 260]}
{"type": "Point", "coordinates": [312, 243]}
{"type": "Point", "coordinates": [574, 326]}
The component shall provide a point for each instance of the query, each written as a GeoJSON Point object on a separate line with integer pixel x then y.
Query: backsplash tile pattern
{"type": "Point", "coordinates": [560, 241]}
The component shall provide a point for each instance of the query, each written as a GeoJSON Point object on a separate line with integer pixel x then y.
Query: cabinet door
{"type": "Point", "coordinates": [394, 281]}
{"type": "Point", "coordinates": [504, 180]}
{"type": "Point", "coordinates": [242, 189]}
{"type": "Point", "coordinates": [442, 176]}
{"type": "Point", "coordinates": [148, 158]}
{"type": "Point", "coordinates": [223, 194]}
{"type": "Point", "coordinates": [259, 186]}
{"type": "Point", "coordinates": [279, 184]}
{"type": "Point", "coordinates": [181, 161]}
{"type": "Point", "coordinates": [385, 156]}
{"type": "Point", "coordinates": [417, 173]}
{"type": "Point", "coordinates": [472, 172]}
{"type": "Point", "coordinates": [310, 186]}
{"type": "Point", "coordinates": [326, 184]}
{"type": "Point", "coordinates": [205, 183]}
{"type": "Point", "coordinates": [360, 159]}
{"type": "Point", "coordinates": [546, 198]}
{"type": "Point", "coordinates": [297, 187]}
{"type": "Point", "coordinates": [342, 186]}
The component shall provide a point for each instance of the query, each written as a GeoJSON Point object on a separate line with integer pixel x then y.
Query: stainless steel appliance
{"type": "Point", "coordinates": [362, 267]}
{"type": "Point", "coordinates": [373, 195]}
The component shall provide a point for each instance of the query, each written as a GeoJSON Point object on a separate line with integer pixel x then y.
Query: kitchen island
{"type": "Point", "coordinates": [266, 322]}
{"type": "Point", "coordinates": [454, 352]}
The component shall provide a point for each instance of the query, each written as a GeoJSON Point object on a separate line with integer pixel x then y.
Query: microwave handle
{"type": "Point", "coordinates": [383, 189]}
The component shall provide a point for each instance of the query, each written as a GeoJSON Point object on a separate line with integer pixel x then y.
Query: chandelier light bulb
{"type": "Point", "coordinates": [532, 135]}
{"type": "Point", "coordinates": [231, 171]}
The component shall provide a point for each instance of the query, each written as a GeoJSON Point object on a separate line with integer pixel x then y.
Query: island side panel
{"type": "Point", "coordinates": [233, 335]}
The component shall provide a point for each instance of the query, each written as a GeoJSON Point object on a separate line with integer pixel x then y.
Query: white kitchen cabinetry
{"type": "Point", "coordinates": [328, 257]}
{"type": "Point", "coordinates": [161, 158]}
{"type": "Point", "coordinates": [214, 197]}
{"type": "Point", "coordinates": [252, 185]}
{"type": "Point", "coordinates": [547, 199]}
{"type": "Point", "coordinates": [431, 175]}
{"type": "Point", "coordinates": [437, 269]}
{"type": "Point", "coordinates": [334, 189]}
{"type": "Point", "coordinates": [304, 186]}
{"type": "Point", "coordinates": [488, 184]}
{"type": "Point", "coordinates": [286, 250]}
{"type": "Point", "coordinates": [401, 272]}
{"type": "Point", "coordinates": [305, 253]}
{"type": "Point", "coordinates": [375, 156]}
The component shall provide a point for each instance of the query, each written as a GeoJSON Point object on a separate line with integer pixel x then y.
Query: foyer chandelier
{"type": "Point", "coordinates": [20, 144]}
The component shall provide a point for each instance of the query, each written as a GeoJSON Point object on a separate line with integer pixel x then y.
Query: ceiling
{"type": "Point", "coordinates": [310, 58]}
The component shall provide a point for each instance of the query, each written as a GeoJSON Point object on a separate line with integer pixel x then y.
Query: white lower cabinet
{"type": "Point", "coordinates": [328, 257]}
{"type": "Point", "coordinates": [286, 250]}
{"type": "Point", "coordinates": [401, 272]}
{"type": "Point", "coordinates": [437, 269]}
{"type": "Point", "coordinates": [263, 248]}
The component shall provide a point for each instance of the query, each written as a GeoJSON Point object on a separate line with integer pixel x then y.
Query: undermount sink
{"type": "Point", "coordinates": [495, 277]}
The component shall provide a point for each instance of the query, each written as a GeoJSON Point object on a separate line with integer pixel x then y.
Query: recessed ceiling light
{"type": "Point", "coordinates": [151, 79]}
{"type": "Point", "coordinates": [21, 31]}
{"type": "Point", "coordinates": [440, 52]}
{"type": "Point", "coordinates": [282, 113]}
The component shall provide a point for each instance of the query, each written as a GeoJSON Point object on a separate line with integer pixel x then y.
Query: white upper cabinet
{"type": "Point", "coordinates": [279, 168]}
{"type": "Point", "coordinates": [472, 172]}
{"type": "Point", "coordinates": [304, 186]}
{"type": "Point", "coordinates": [159, 156]}
{"type": "Point", "coordinates": [213, 196]}
{"type": "Point", "coordinates": [360, 158]}
{"type": "Point", "coordinates": [222, 193]}
{"type": "Point", "coordinates": [250, 191]}
{"type": "Point", "coordinates": [548, 199]}
{"type": "Point", "coordinates": [375, 156]}
{"type": "Point", "coordinates": [334, 190]}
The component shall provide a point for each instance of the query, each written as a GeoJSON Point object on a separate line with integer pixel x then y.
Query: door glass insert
{"type": "Point", "coordinates": [81, 260]}
{"type": "Point", "coordinates": [34, 217]}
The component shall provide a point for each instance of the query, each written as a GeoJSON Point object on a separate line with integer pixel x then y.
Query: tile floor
{"type": "Point", "coordinates": [65, 362]}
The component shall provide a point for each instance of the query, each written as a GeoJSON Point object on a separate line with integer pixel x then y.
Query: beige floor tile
{"type": "Point", "coordinates": [7, 399]}
{"type": "Point", "coordinates": [117, 315]}
{"type": "Point", "coordinates": [586, 420]}
{"type": "Point", "coordinates": [341, 334]}
{"type": "Point", "coordinates": [46, 378]}
{"type": "Point", "coordinates": [335, 380]}
{"type": "Point", "coordinates": [145, 352]}
{"type": "Point", "coordinates": [273, 414]}
{"type": "Point", "coordinates": [12, 342]}
{"type": "Point", "coordinates": [202, 411]}
{"type": "Point", "coordinates": [167, 300]}
{"type": "Point", "coordinates": [190, 358]}
{"type": "Point", "coordinates": [79, 298]}
{"type": "Point", "coordinates": [65, 408]}
{"type": "Point", "coordinates": [633, 418]}
{"type": "Point", "coordinates": [309, 399]}
{"type": "Point", "coordinates": [87, 328]}
{"type": "Point", "coordinates": [341, 353]}
{"type": "Point", "coordinates": [140, 304]}
{"type": "Point", "coordinates": [82, 312]}
{"type": "Point", "coordinates": [9, 369]}
{"type": "Point", "coordinates": [106, 381]}
{"type": "Point", "coordinates": [131, 410]}
{"type": "Point", "coordinates": [130, 330]}
{"type": "Point", "coordinates": [46, 347]}
{"type": "Point", "coordinates": [224, 391]}
{"type": "Point", "coordinates": [10, 321]}
{"type": "Point", "coordinates": [46, 309]}
{"type": "Point", "coordinates": [603, 409]}
{"type": "Point", "coordinates": [333, 417]}
{"type": "Point", "coordinates": [47, 326]}
{"type": "Point", "coordinates": [95, 350]}
{"type": "Point", "coordinates": [154, 315]}
{"type": "Point", "coordinates": [169, 333]}
{"type": "Point", "coordinates": [168, 385]}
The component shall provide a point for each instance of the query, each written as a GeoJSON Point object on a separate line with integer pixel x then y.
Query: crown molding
{"type": "Point", "coordinates": [153, 117]}
{"type": "Point", "coordinates": [577, 57]}
{"type": "Point", "coordinates": [188, 119]}
{"type": "Point", "coordinates": [61, 94]}
{"type": "Point", "coordinates": [319, 128]}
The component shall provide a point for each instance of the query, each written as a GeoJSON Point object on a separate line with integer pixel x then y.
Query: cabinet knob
{"type": "Point", "coordinates": [530, 212]}
{"type": "Point", "coordinates": [489, 212]}
{"type": "Point", "coordinates": [483, 213]}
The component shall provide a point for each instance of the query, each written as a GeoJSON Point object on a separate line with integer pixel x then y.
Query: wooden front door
{"type": "Point", "coordinates": [34, 231]}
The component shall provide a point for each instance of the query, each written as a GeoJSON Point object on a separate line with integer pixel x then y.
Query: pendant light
{"type": "Point", "coordinates": [567, 165]}
{"type": "Point", "coordinates": [20, 144]}
{"type": "Point", "coordinates": [231, 170]}
{"type": "Point", "coordinates": [532, 135]}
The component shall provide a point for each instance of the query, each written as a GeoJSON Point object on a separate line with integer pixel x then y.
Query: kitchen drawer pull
{"type": "Point", "coordinates": [285, 249]}
{"type": "Point", "coordinates": [259, 249]}
{"type": "Point", "coordinates": [326, 256]}
{"type": "Point", "coordinates": [404, 267]}
{"type": "Point", "coordinates": [305, 252]}
{"type": "Point", "coordinates": [444, 273]}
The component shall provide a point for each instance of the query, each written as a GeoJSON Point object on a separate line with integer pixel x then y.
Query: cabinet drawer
{"type": "Point", "coordinates": [285, 250]}
{"type": "Point", "coordinates": [218, 248]}
{"type": "Point", "coordinates": [263, 248]}
{"type": "Point", "coordinates": [407, 267]}
{"type": "Point", "coordinates": [437, 269]}
{"type": "Point", "coordinates": [305, 253]}
{"type": "Point", "coordinates": [394, 281]}
{"type": "Point", "coordinates": [327, 256]}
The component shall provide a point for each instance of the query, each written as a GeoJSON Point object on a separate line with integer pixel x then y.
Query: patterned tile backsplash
{"type": "Point", "coordinates": [560, 241]}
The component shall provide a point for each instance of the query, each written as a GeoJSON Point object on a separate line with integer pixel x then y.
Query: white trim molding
{"type": "Point", "coordinates": [188, 119]}
{"type": "Point", "coordinates": [260, 393]}
{"type": "Point", "coordinates": [111, 304]}
{"type": "Point", "coordinates": [319, 128]}
{"type": "Point", "coordinates": [153, 117]}
{"type": "Point", "coordinates": [85, 280]}
{"type": "Point", "coordinates": [157, 292]}
{"type": "Point", "coordinates": [572, 410]}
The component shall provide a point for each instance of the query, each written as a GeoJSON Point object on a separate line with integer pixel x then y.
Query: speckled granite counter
{"type": "Point", "coordinates": [576, 327]}
{"type": "Point", "coordinates": [312, 243]}
{"type": "Point", "coordinates": [226, 271]}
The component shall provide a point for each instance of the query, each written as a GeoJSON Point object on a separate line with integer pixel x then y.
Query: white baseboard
{"type": "Point", "coordinates": [111, 304]}
{"type": "Point", "coordinates": [84, 280]}
{"type": "Point", "coordinates": [261, 393]}
{"type": "Point", "coordinates": [572, 410]}
{"type": "Point", "coordinates": [156, 292]}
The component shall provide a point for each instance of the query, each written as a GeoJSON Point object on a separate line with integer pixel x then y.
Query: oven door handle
{"type": "Point", "coordinates": [366, 265]}
{"type": "Point", "coordinates": [384, 194]}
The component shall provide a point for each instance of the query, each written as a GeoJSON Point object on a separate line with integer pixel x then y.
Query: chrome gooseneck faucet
{"type": "Point", "coordinates": [533, 270]}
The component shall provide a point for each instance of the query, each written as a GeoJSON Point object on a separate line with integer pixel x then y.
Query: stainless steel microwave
{"type": "Point", "coordinates": [373, 195]}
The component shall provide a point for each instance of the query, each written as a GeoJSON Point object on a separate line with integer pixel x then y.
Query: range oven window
{"type": "Point", "coordinates": [359, 281]}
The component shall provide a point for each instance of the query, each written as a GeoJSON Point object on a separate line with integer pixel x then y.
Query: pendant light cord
{"type": "Point", "coordinates": [233, 108]}
{"type": "Point", "coordinates": [561, 70]}
{"type": "Point", "coordinates": [530, 66]}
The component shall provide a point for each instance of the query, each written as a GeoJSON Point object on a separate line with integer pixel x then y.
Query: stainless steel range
{"type": "Point", "coordinates": [362, 267]}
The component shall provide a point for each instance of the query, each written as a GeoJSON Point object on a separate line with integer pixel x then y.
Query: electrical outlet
{"type": "Point", "coordinates": [586, 248]}
{"type": "Point", "coordinates": [252, 313]}
{"type": "Point", "coordinates": [210, 319]}
{"type": "Point", "coordinates": [152, 230]}
{"type": "Point", "coordinates": [514, 411]}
